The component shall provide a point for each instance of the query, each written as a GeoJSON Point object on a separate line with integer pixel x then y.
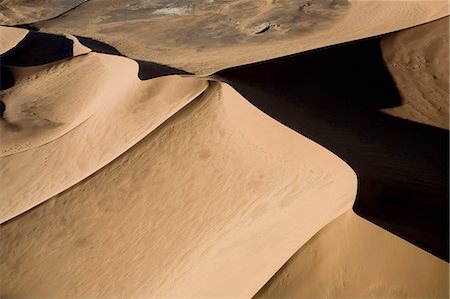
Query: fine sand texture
{"type": "Point", "coordinates": [67, 119]}
{"type": "Point", "coordinates": [221, 196]}
{"type": "Point", "coordinates": [160, 149]}
{"type": "Point", "coordinates": [353, 258]}
{"type": "Point", "coordinates": [242, 31]}
{"type": "Point", "coordinates": [336, 97]}
{"type": "Point", "coordinates": [418, 61]}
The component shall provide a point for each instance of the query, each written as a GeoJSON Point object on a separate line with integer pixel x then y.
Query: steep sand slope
{"type": "Point", "coordinates": [70, 118]}
{"type": "Point", "coordinates": [418, 60]}
{"type": "Point", "coordinates": [211, 203]}
{"type": "Point", "coordinates": [336, 97]}
{"type": "Point", "coordinates": [353, 258]}
{"type": "Point", "coordinates": [220, 34]}
{"type": "Point", "coordinates": [10, 37]}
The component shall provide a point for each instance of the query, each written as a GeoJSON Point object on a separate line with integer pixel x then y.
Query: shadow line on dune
{"type": "Point", "coordinates": [332, 96]}
{"type": "Point", "coordinates": [38, 48]}
{"type": "Point", "coordinates": [147, 69]}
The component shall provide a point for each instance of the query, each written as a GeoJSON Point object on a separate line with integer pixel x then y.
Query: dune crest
{"type": "Point", "coordinates": [10, 37]}
{"type": "Point", "coordinates": [106, 110]}
{"type": "Point", "coordinates": [130, 178]}
{"type": "Point", "coordinates": [258, 191]}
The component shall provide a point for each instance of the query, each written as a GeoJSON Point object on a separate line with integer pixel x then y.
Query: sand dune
{"type": "Point", "coordinates": [402, 165]}
{"type": "Point", "coordinates": [418, 60]}
{"type": "Point", "coordinates": [218, 191]}
{"type": "Point", "coordinates": [10, 37]}
{"type": "Point", "coordinates": [131, 178]}
{"type": "Point", "coordinates": [90, 108]}
{"type": "Point", "coordinates": [365, 262]}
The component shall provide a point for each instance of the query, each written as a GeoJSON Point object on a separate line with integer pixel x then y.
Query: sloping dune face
{"type": "Point", "coordinates": [207, 31]}
{"type": "Point", "coordinates": [10, 37]}
{"type": "Point", "coordinates": [352, 258]}
{"type": "Point", "coordinates": [179, 187]}
{"type": "Point", "coordinates": [65, 120]}
{"type": "Point", "coordinates": [211, 203]}
{"type": "Point", "coordinates": [418, 60]}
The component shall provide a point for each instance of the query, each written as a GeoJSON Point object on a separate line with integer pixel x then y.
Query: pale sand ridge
{"type": "Point", "coordinates": [108, 110]}
{"type": "Point", "coordinates": [179, 187]}
{"type": "Point", "coordinates": [222, 196]}
{"type": "Point", "coordinates": [10, 37]}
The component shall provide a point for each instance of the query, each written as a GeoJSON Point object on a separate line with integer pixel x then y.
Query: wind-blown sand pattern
{"type": "Point", "coordinates": [144, 154]}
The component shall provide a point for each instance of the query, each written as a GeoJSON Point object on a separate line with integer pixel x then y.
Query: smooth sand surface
{"type": "Point", "coordinates": [222, 195]}
{"type": "Point", "coordinates": [402, 165]}
{"type": "Point", "coordinates": [207, 31]}
{"type": "Point", "coordinates": [10, 37]}
{"type": "Point", "coordinates": [178, 186]}
{"type": "Point", "coordinates": [353, 258]}
{"type": "Point", "coordinates": [75, 117]}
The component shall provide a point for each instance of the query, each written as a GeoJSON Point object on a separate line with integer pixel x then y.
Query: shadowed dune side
{"type": "Point", "coordinates": [6, 78]}
{"type": "Point", "coordinates": [211, 203]}
{"type": "Point", "coordinates": [333, 97]}
{"type": "Point", "coordinates": [147, 69]}
{"type": "Point", "coordinates": [38, 48]}
{"type": "Point", "coordinates": [353, 258]}
{"type": "Point", "coordinates": [34, 53]}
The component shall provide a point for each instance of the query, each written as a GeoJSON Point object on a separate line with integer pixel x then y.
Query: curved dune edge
{"type": "Point", "coordinates": [106, 119]}
{"type": "Point", "coordinates": [10, 37]}
{"type": "Point", "coordinates": [418, 60]}
{"type": "Point", "coordinates": [351, 257]}
{"type": "Point", "coordinates": [13, 37]}
{"type": "Point", "coordinates": [222, 195]}
{"type": "Point", "coordinates": [364, 19]}
{"type": "Point", "coordinates": [43, 107]}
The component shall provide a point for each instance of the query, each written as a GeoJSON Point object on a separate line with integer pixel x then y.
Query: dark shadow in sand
{"type": "Point", "coordinates": [147, 69]}
{"type": "Point", "coordinates": [6, 78]}
{"type": "Point", "coordinates": [38, 48]}
{"type": "Point", "coordinates": [332, 96]}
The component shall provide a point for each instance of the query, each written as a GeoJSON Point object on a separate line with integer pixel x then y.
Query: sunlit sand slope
{"type": "Point", "coordinates": [220, 34]}
{"type": "Point", "coordinates": [418, 60]}
{"type": "Point", "coordinates": [70, 118]}
{"type": "Point", "coordinates": [211, 203]}
{"type": "Point", "coordinates": [338, 97]}
{"type": "Point", "coordinates": [353, 258]}
{"type": "Point", "coordinates": [9, 37]}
